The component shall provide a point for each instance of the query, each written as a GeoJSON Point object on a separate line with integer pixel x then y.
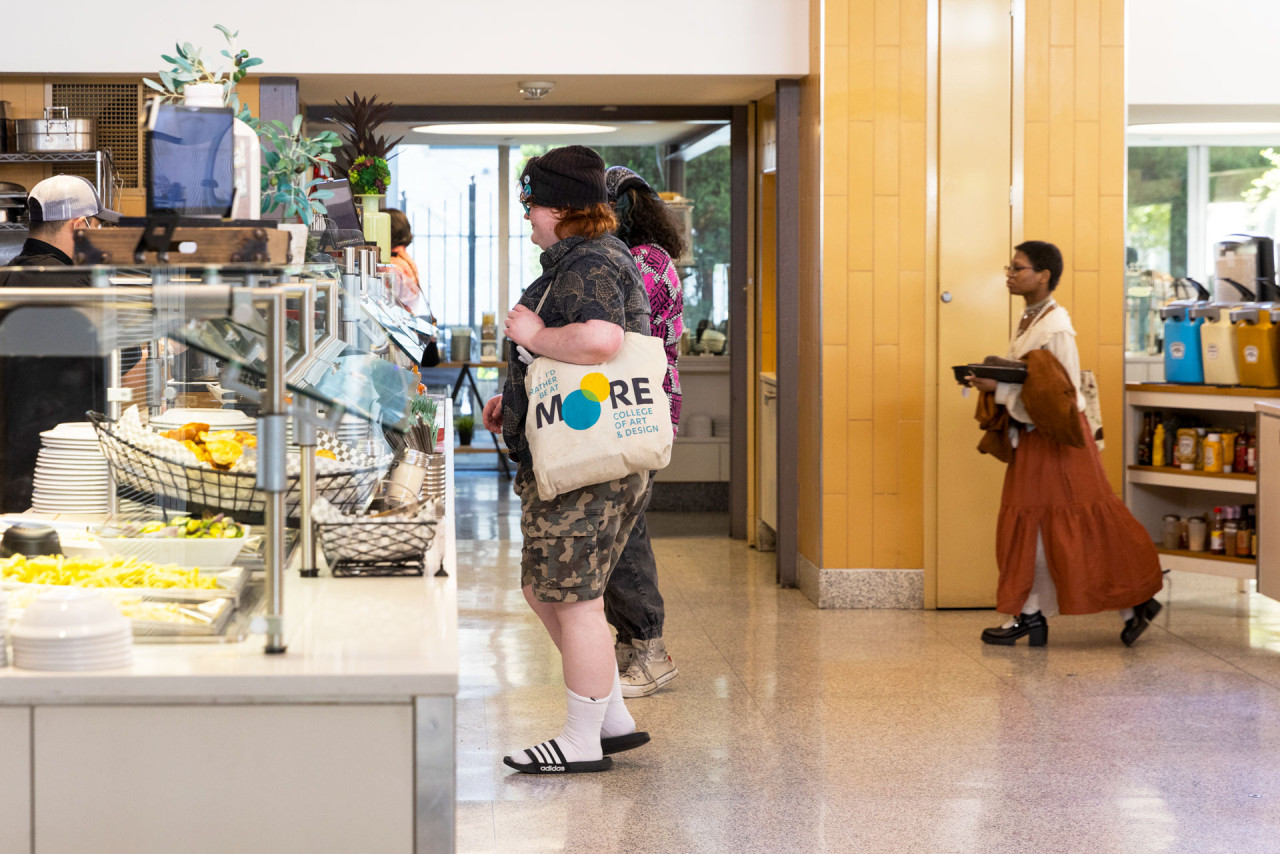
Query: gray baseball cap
{"type": "Point", "coordinates": [65, 197]}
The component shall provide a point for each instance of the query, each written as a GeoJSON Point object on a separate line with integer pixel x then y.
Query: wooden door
{"type": "Point", "coordinates": [974, 225]}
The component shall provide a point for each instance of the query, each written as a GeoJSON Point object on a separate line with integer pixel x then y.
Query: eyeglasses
{"type": "Point", "coordinates": [1010, 271]}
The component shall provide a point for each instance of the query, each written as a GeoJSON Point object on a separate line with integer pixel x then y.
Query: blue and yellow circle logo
{"type": "Point", "coordinates": [582, 407]}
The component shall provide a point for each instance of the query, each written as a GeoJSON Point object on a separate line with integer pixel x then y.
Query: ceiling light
{"type": "Point", "coordinates": [513, 129]}
{"type": "Point", "coordinates": [1206, 129]}
{"type": "Point", "coordinates": [535, 90]}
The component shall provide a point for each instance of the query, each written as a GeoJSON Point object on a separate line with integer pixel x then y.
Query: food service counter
{"type": "Point", "coordinates": [343, 743]}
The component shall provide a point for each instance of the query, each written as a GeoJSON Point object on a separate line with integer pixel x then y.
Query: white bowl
{"type": "Point", "coordinates": [75, 610]}
{"type": "Point", "coordinates": [219, 551]}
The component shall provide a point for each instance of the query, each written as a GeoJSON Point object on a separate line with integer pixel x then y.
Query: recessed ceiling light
{"type": "Point", "coordinates": [514, 129]}
{"type": "Point", "coordinates": [1206, 129]}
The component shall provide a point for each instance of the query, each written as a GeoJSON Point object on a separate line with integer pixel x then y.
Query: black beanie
{"type": "Point", "coordinates": [568, 177]}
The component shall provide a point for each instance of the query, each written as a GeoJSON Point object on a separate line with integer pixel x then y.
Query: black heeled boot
{"type": "Point", "coordinates": [1137, 624]}
{"type": "Point", "coordinates": [1033, 625]}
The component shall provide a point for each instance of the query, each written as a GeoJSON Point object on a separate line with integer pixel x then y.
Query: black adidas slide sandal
{"type": "Point", "coordinates": [546, 758]}
{"type": "Point", "coordinates": [619, 743]}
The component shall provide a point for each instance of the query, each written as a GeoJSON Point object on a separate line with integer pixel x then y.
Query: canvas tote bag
{"type": "Point", "coordinates": [594, 423]}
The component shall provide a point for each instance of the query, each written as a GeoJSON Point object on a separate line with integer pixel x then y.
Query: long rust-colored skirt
{"type": "Point", "coordinates": [1101, 557]}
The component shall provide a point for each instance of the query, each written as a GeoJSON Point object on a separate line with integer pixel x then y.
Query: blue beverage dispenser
{"type": "Point", "coordinates": [1183, 361]}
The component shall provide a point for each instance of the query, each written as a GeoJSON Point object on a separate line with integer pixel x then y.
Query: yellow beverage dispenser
{"type": "Point", "coordinates": [1256, 344]}
{"type": "Point", "coordinates": [1218, 343]}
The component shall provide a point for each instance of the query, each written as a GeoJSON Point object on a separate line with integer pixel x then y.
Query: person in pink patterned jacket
{"type": "Point", "coordinates": [632, 603]}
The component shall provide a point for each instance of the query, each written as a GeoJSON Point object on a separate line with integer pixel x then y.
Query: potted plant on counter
{"type": "Point", "coordinates": [287, 166]}
{"type": "Point", "coordinates": [465, 425]}
{"type": "Point", "coordinates": [363, 159]}
{"type": "Point", "coordinates": [190, 73]}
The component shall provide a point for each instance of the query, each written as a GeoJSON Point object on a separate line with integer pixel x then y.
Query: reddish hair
{"type": "Point", "coordinates": [590, 223]}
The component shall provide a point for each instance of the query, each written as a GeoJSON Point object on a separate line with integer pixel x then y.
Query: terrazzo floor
{"type": "Point", "coordinates": [796, 730]}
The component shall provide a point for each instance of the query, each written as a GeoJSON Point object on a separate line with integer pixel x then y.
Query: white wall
{"type": "Point", "coordinates": [419, 36]}
{"type": "Point", "coordinates": [1203, 51]}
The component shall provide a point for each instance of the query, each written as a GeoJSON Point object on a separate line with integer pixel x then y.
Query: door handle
{"type": "Point", "coordinates": [946, 296]}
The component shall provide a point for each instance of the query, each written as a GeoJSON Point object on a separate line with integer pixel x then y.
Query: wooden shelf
{"type": "Point", "coordinates": [1176, 478]}
{"type": "Point", "coordinates": [1248, 561]}
{"type": "Point", "coordinates": [476, 449]}
{"type": "Point", "coordinates": [1204, 390]}
{"type": "Point", "coordinates": [1194, 473]}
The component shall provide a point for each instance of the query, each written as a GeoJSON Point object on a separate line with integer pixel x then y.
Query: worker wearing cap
{"type": "Point", "coordinates": [56, 207]}
{"type": "Point", "coordinates": [39, 392]}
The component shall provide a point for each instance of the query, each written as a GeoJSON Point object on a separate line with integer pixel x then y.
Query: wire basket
{"type": "Point", "coordinates": [377, 547]}
{"type": "Point", "coordinates": [232, 491]}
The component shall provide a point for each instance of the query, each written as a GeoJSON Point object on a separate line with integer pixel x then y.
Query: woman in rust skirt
{"type": "Point", "coordinates": [1064, 542]}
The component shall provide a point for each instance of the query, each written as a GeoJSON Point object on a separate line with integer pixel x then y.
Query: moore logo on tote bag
{"type": "Point", "coordinates": [594, 423]}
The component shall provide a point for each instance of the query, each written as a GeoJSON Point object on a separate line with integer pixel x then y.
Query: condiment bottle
{"type": "Point", "coordinates": [1251, 456]}
{"type": "Point", "coordinates": [1231, 532]}
{"type": "Point", "coordinates": [1213, 453]}
{"type": "Point", "coordinates": [1215, 532]}
{"type": "Point", "coordinates": [1157, 447]}
{"type": "Point", "coordinates": [1144, 441]}
{"type": "Point", "coordinates": [1241, 463]}
{"type": "Point", "coordinates": [1244, 538]}
{"type": "Point", "coordinates": [1228, 450]}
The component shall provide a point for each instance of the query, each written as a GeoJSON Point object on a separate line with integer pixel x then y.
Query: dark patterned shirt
{"type": "Point", "coordinates": [666, 318]}
{"type": "Point", "coordinates": [589, 280]}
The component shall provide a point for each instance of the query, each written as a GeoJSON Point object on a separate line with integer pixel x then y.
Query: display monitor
{"type": "Point", "coordinates": [340, 210]}
{"type": "Point", "coordinates": [190, 170]}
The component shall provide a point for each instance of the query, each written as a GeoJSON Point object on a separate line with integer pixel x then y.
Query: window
{"type": "Point", "coordinates": [1182, 200]}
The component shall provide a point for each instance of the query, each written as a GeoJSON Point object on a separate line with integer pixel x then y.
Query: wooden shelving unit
{"type": "Point", "coordinates": [1152, 492]}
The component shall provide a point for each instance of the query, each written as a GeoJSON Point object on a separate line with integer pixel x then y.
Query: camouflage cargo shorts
{"type": "Point", "coordinates": [573, 542]}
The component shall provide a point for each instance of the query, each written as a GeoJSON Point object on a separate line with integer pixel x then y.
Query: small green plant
{"type": "Point", "coordinates": [465, 425]}
{"type": "Point", "coordinates": [287, 159]}
{"type": "Point", "coordinates": [189, 67]}
{"type": "Point", "coordinates": [369, 176]}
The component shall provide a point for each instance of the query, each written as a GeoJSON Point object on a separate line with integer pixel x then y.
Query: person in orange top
{"type": "Point", "coordinates": [409, 293]}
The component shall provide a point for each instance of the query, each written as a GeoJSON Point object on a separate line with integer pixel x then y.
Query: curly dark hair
{"type": "Point", "coordinates": [645, 218]}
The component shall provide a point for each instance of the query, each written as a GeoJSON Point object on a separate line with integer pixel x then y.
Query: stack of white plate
{"type": "Point", "coordinates": [352, 431]}
{"type": "Point", "coordinates": [696, 427]}
{"type": "Point", "coordinates": [217, 419]}
{"type": "Point", "coordinates": [71, 473]}
{"type": "Point", "coordinates": [720, 425]}
{"type": "Point", "coordinates": [72, 629]}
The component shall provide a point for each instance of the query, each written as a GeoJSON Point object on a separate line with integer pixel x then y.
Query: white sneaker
{"type": "Point", "coordinates": [624, 653]}
{"type": "Point", "coordinates": [650, 669]}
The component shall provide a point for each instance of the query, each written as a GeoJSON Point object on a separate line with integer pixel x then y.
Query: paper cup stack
{"type": "Point", "coordinates": [696, 427]}
{"type": "Point", "coordinates": [72, 630]}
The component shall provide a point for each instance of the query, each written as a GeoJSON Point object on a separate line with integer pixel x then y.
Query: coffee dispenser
{"type": "Point", "coordinates": [1245, 269]}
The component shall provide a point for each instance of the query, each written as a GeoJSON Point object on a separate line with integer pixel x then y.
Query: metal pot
{"type": "Point", "coordinates": [13, 201]}
{"type": "Point", "coordinates": [55, 134]}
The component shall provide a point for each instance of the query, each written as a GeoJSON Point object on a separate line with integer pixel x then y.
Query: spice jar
{"type": "Point", "coordinates": [1172, 532]}
{"type": "Point", "coordinates": [1230, 534]}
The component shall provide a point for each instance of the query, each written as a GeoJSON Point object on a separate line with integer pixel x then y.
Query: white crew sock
{"type": "Point", "coordinates": [579, 741]}
{"type": "Point", "coordinates": [617, 720]}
